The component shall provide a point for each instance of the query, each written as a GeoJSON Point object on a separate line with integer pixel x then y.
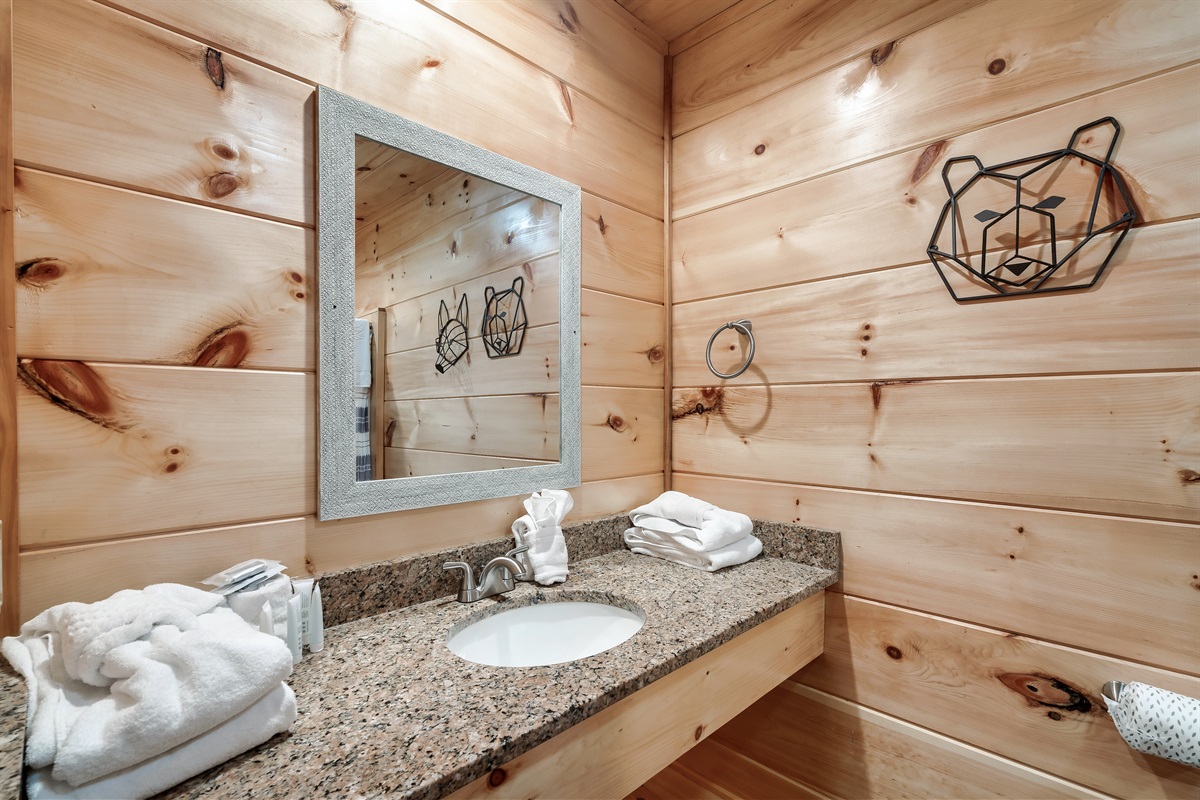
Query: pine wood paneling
{"type": "Point", "coordinates": [87, 573]}
{"type": "Point", "coordinates": [737, 11]}
{"type": "Point", "coordinates": [1016, 569]}
{"type": "Point", "coordinates": [337, 544]}
{"type": "Point", "coordinates": [534, 371]}
{"type": "Point", "coordinates": [525, 426]}
{"type": "Point", "coordinates": [622, 341]}
{"type": "Point", "coordinates": [124, 449]}
{"type": "Point", "coordinates": [737, 776]}
{"type": "Point", "coordinates": [1018, 697]}
{"type": "Point", "coordinates": [438, 74]}
{"type": "Point", "coordinates": [579, 42]}
{"type": "Point", "coordinates": [671, 18]}
{"type": "Point", "coordinates": [100, 94]}
{"type": "Point", "coordinates": [934, 84]}
{"type": "Point", "coordinates": [643, 733]}
{"type": "Point", "coordinates": [786, 43]}
{"type": "Point", "coordinates": [904, 324]}
{"type": "Point", "coordinates": [848, 750]}
{"type": "Point", "coordinates": [402, 463]}
{"type": "Point", "coordinates": [813, 229]}
{"type": "Point", "coordinates": [622, 432]}
{"type": "Point", "coordinates": [110, 275]}
{"type": "Point", "coordinates": [1121, 444]}
{"type": "Point", "coordinates": [9, 571]}
{"type": "Point", "coordinates": [383, 176]}
{"type": "Point", "coordinates": [622, 250]}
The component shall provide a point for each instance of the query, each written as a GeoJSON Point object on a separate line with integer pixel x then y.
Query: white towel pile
{"type": "Point", "coordinates": [133, 694]}
{"type": "Point", "coordinates": [691, 532]}
{"type": "Point", "coordinates": [541, 530]}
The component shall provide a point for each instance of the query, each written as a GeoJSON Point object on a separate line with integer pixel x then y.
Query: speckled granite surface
{"type": "Point", "coordinates": [387, 710]}
{"type": "Point", "coordinates": [12, 730]}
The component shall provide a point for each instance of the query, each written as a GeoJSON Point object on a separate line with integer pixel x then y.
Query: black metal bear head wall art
{"type": "Point", "coordinates": [1044, 223]}
{"type": "Point", "coordinates": [451, 342]}
{"type": "Point", "coordinates": [504, 320]}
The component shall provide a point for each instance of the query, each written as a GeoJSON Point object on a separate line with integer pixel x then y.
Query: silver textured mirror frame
{"type": "Point", "coordinates": [339, 119]}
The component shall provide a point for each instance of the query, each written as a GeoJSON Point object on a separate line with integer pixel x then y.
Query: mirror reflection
{"type": "Point", "coordinates": [456, 357]}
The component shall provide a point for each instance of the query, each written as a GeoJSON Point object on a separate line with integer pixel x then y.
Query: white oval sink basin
{"type": "Point", "coordinates": [545, 633]}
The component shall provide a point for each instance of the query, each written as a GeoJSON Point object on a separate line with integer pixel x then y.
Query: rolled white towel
{"type": "Point", "coordinates": [272, 713]}
{"type": "Point", "coordinates": [167, 688]}
{"type": "Point", "coordinates": [687, 518]}
{"type": "Point", "coordinates": [652, 543]}
{"type": "Point", "coordinates": [547, 550]}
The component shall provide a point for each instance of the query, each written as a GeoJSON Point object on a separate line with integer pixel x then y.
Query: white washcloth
{"type": "Point", "coordinates": [697, 525]}
{"type": "Point", "coordinates": [272, 713]}
{"type": "Point", "coordinates": [541, 531]}
{"type": "Point", "coordinates": [275, 593]}
{"type": "Point", "coordinates": [652, 543]}
{"type": "Point", "coordinates": [362, 353]}
{"type": "Point", "coordinates": [89, 631]}
{"type": "Point", "coordinates": [167, 687]}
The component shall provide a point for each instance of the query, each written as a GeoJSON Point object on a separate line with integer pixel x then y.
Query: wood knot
{"type": "Point", "coordinates": [509, 238]}
{"type": "Point", "coordinates": [454, 248]}
{"type": "Point", "coordinates": [929, 156]}
{"type": "Point", "coordinates": [220, 184]}
{"type": "Point", "coordinates": [699, 732]}
{"type": "Point", "coordinates": [1054, 715]}
{"type": "Point", "coordinates": [214, 67]}
{"type": "Point", "coordinates": [75, 387]}
{"type": "Point", "coordinates": [222, 149]}
{"type": "Point", "coordinates": [600, 224]}
{"type": "Point", "coordinates": [40, 272]}
{"type": "Point", "coordinates": [432, 63]}
{"type": "Point", "coordinates": [1045, 690]}
{"type": "Point", "coordinates": [389, 432]}
{"type": "Point", "coordinates": [497, 777]}
{"type": "Point", "coordinates": [224, 347]}
{"type": "Point", "coordinates": [758, 151]}
{"type": "Point", "coordinates": [655, 354]}
{"type": "Point", "coordinates": [618, 424]}
{"type": "Point", "coordinates": [997, 66]}
{"type": "Point", "coordinates": [880, 54]}
{"type": "Point", "coordinates": [894, 652]}
{"type": "Point", "coordinates": [1187, 476]}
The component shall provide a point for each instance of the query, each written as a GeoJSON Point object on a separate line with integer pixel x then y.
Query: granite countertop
{"type": "Point", "coordinates": [12, 730]}
{"type": "Point", "coordinates": [387, 709]}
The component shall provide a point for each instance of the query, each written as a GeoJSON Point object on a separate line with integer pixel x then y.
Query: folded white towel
{"type": "Point", "coordinates": [652, 543]}
{"type": "Point", "coordinates": [273, 713]}
{"type": "Point", "coordinates": [166, 688]}
{"type": "Point", "coordinates": [541, 531]}
{"type": "Point", "coordinates": [362, 353]}
{"type": "Point", "coordinates": [696, 524]}
{"type": "Point", "coordinates": [275, 593]}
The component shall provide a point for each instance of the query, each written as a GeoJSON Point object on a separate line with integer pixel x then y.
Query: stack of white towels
{"type": "Point", "coordinates": [133, 694]}
{"type": "Point", "coordinates": [688, 531]}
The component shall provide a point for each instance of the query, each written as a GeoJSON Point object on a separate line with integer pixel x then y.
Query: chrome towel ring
{"type": "Point", "coordinates": [742, 326]}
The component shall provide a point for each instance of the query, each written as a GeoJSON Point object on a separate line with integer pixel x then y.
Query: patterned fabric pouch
{"type": "Point", "coordinates": [1155, 721]}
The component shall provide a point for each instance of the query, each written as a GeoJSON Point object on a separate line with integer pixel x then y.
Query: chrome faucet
{"type": "Point", "coordinates": [497, 576]}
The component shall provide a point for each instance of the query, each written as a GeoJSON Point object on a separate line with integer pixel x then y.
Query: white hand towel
{"type": "Point", "coordinates": [682, 508]}
{"type": "Point", "coordinates": [702, 524]}
{"type": "Point", "coordinates": [167, 688]}
{"type": "Point", "coordinates": [362, 353]}
{"type": "Point", "coordinates": [651, 543]}
{"type": "Point", "coordinates": [275, 592]}
{"type": "Point", "coordinates": [273, 713]}
{"type": "Point", "coordinates": [547, 550]}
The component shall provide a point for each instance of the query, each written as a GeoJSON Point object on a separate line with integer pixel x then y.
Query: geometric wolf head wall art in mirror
{"type": "Point", "coordinates": [415, 227]}
{"type": "Point", "coordinates": [1045, 223]}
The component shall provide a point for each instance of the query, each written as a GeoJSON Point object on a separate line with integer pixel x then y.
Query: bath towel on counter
{"type": "Point", "coordinates": [273, 713]}
{"type": "Point", "coordinates": [184, 675]}
{"type": "Point", "coordinates": [698, 525]}
{"type": "Point", "coordinates": [652, 543]}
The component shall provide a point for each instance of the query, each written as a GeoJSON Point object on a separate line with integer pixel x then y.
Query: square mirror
{"type": "Point", "coordinates": [448, 318]}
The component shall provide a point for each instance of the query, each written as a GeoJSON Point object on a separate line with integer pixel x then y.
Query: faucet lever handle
{"type": "Point", "coordinates": [466, 589]}
{"type": "Point", "coordinates": [518, 554]}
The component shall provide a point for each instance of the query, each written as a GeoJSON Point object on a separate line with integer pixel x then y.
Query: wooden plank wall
{"type": "Point", "coordinates": [1015, 482]}
{"type": "Point", "coordinates": [166, 265]}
